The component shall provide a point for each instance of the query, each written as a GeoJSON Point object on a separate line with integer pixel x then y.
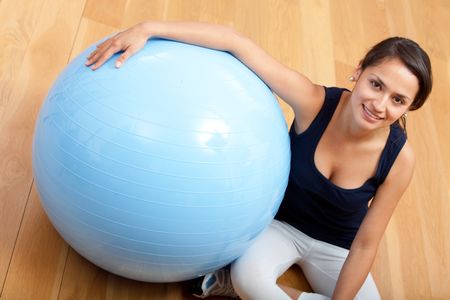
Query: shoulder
{"type": "Point", "coordinates": [407, 154]}
{"type": "Point", "coordinates": [403, 167]}
{"type": "Point", "coordinates": [307, 109]}
{"type": "Point", "coordinates": [406, 159]}
{"type": "Point", "coordinates": [311, 99]}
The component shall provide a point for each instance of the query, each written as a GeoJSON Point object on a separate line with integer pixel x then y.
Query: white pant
{"type": "Point", "coordinates": [280, 246]}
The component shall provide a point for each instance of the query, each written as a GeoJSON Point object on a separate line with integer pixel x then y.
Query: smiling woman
{"type": "Point", "coordinates": [384, 92]}
{"type": "Point", "coordinates": [411, 56]}
{"type": "Point", "coordinates": [411, 64]}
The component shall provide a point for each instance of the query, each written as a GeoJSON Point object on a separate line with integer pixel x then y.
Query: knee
{"type": "Point", "coordinates": [241, 278]}
{"type": "Point", "coordinates": [248, 281]}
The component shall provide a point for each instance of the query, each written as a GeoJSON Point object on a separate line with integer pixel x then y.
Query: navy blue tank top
{"type": "Point", "coordinates": [312, 203]}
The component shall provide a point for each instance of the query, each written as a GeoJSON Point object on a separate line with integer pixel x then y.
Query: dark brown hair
{"type": "Point", "coordinates": [414, 58]}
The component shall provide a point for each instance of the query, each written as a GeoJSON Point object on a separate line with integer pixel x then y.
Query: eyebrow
{"type": "Point", "coordinates": [384, 85]}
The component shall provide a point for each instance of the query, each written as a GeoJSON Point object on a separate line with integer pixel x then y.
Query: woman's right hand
{"type": "Point", "coordinates": [129, 41]}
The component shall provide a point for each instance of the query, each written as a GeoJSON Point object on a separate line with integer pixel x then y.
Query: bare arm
{"type": "Point", "coordinates": [294, 88]}
{"type": "Point", "coordinates": [364, 247]}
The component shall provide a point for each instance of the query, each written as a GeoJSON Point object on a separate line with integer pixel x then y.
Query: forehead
{"type": "Point", "coordinates": [396, 76]}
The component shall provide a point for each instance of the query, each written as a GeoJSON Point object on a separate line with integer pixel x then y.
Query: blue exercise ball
{"type": "Point", "coordinates": [165, 169]}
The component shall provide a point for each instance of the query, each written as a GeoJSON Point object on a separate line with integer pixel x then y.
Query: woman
{"type": "Point", "coordinates": [348, 150]}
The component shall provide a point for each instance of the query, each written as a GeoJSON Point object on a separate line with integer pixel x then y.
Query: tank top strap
{"type": "Point", "coordinates": [395, 142]}
{"type": "Point", "coordinates": [320, 122]}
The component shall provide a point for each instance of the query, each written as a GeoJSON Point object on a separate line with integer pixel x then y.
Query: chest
{"type": "Point", "coordinates": [346, 165]}
{"type": "Point", "coordinates": [331, 175]}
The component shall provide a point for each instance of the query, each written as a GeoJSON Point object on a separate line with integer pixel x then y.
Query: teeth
{"type": "Point", "coordinates": [371, 114]}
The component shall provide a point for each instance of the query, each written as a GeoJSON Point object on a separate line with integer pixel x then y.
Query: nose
{"type": "Point", "coordinates": [380, 103]}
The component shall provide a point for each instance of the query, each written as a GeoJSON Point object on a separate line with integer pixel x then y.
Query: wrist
{"type": "Point", "coordinates": [149, 28]}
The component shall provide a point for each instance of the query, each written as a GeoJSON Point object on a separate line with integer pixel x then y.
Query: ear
{"type": "Point", "coordinates": [356, 73]}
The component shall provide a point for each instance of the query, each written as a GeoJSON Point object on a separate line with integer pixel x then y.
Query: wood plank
{"type": "Point", "coordinates": [432, 199]}
{"type": "Point", "coordinates": [109, 13]}
{"type": "Point", "coordinates": [18, 22]}
{"type": "Point", "coordinates": [83, 280]}
{"type": "Point", "coordinates": [264, 27]}
{"type": "Point", "coordinates": [27, 76]}
{"type": "Point", "coordinates": [440, 107]}
{"type": "Point", "coordinates": [89, 33]}
{"type": "Point", "coordinates": [435, 131]}
{"type": "Point", "coordinates": [213, 11]}
{"type": "Point", "coordinates": [39, 257]}
{"type": "Point", "coordinates": [317, 49]}
{"type": "Point", "coordinates": [144, 10]}
{"type": "Point", "coordinates": [434, 16]}
{"type": "Point", "coordinates": [38, 66]}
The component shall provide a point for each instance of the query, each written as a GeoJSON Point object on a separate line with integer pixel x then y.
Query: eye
{"type": "Point", "coordinates": [398, 100]}
{"type": "Point", "coordinates": [375, 84]}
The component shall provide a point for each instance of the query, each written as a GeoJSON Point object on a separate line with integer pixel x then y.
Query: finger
{"type": "Point", "coordinates": [106, 43]}
{"type": "Point", "coordinates": [95, 56]}
{"type": "Point", "coordinates": [130, 51]}
{"type": "Point", "coordinates": [107, 49]}
{"type": "Point", "coordinates": [100, 47]}
{"type": "Point", "coordinates": [91, 54]}
{"type": "Point", "coordinates": [103, 58]}
{"type": "Point", "coordinates": [122, 58]}
{"type": "Point", "coordinates": [95, 52]}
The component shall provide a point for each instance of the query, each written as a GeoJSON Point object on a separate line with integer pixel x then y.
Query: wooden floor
{"type": "Point", "coordinates": [322, 39]}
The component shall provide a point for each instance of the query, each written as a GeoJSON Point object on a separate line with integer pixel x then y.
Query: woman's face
{"type": "Point", "coordinates": [383, 93]}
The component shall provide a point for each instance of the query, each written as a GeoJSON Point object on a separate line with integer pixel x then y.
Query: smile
{"type": "Point", "coordinates": [370, 114]}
